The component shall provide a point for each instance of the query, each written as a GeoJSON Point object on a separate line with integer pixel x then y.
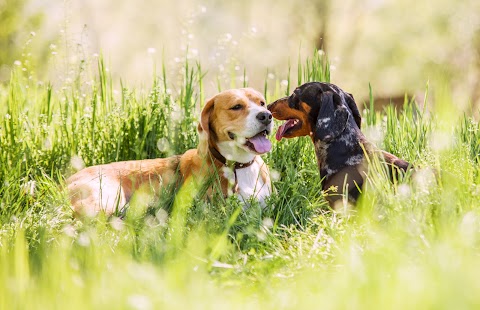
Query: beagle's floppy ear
{"type": "Point", "coordinates": [204, 126]}
{"type": "Point", "coordinates": [332, 117]}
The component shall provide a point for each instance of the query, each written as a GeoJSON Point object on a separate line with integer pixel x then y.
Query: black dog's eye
{"type": "Point", "coordinates": [293, 102]}
{"type": "Point", "coordinates": [262, 103]}
{"type": "Point", "coordinates": [236, 107]}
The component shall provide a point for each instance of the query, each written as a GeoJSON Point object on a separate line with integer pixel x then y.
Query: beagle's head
{"type": "Point", "coordinates": [318, 110]}
{"type": "Point", "coordinates": [236, 122]}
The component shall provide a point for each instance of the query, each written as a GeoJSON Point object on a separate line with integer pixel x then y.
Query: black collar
{"type": "Point", "coordinates": [219, 157]}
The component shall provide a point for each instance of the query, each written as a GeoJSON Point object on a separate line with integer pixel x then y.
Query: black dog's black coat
{"type": "Point", "coordinates": [340, 146]}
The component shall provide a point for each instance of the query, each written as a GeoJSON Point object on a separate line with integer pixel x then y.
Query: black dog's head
{"type": "Point", "coordinates": [320, 110]}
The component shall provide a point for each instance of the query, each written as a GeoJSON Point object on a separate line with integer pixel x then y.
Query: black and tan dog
{"type": "Point", "coordinates": [331, 118]}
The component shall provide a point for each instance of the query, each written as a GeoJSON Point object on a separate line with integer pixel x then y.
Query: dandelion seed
{"type": "Point", "coordinates": [284, 83]}
{"type": "Point", "coordinates": [237, 68]}
{"type": "Point", "coordinates": [176, 114]}
{"type": "Point", "coordinates": [151, 50]}
{"type": "Point", "coordinates": [440, 141]}
{"type": "Point", "coordinates": [162, 217]}
{"type": "Point", "coordinates": [78, 281]}
{"type": "Point", "coordinates": [73, 60]}
{"type": "Point", "coordinates": [17, 63]}
{"type": "Point", "coordinates": [424, 179]}
{"type": "Point", "coordinates": [271, 76]}
{"type": "Point", "coordinates": [333, 67]}
{"type": "Point", "coordinates": [190, 36]}
{"type": "Point", "coordinates": [267, 222]}
{"type": "Point", "coordinates": [228, 37]}
{"type": "Point", "coordinates": [77, 162]}
{"type": "Point", "coordinates": [203, 9]}
{"type": "Point", "coordinates": [95, 55]}
{"type": "Point", "coordinates": [69, 230]}
{"type": "Point", "coordinates": [117, 223]}
{"type": "Point", "coordinates": [139, 302]}
{"type": "Point", "coordinates": [373, 134]}
{"type": "Point", "coordinates": [274, 175]}
{"type": "Point", "coordinates": [253, 30]}
{"type": "Point", "coordinates": [33, 33]}
{"type": "Point", "coordinates": [151, 221]}
{"type": "Point", "coordinates": [177, 59]}
{"type": "Point", "coordinates": [53, 46]}
{"type": "Point", "coordinates": [261, 235]}
{"type": "Point", "coordinates": [47, 144]}
{"type": "Point", "coordinates": [228, 174]}
{"type": "Point", "coordinates": [468, 227]}
{"type": "Point", "coordinates": [83, 239]}
{"type": "Point", "coordinates": [404, 191]}
{"type": "Point", "coordinates": [29, 188]}
{"type": "Point", "coordinates": [163, 145]}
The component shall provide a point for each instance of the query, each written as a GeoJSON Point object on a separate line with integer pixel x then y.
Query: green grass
{"type": "Point", "coordinates": [412, 245]}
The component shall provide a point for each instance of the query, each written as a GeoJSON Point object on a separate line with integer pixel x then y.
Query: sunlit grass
{"type": "Point", "coordinates": [414, 244]}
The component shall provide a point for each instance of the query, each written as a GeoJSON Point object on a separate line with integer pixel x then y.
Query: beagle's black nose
{"type": "Point", "coordinates": [265, 117]}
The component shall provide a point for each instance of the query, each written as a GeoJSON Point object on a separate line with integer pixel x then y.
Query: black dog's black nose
{"type": "Point", "coordinates": [265, 117]}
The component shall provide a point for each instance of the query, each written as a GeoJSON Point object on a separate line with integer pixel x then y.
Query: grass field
{"type": "Point", "coordinates": [414, 245]}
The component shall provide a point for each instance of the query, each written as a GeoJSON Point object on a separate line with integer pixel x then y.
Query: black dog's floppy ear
{"type": "Point", "coordinates": [353, 107]}
{"type": "Point", "coordinates": [332, 117]}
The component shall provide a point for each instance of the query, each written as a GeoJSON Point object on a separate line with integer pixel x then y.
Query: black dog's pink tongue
{"type": "Point", "coordinates": [283, 128]}
{"type": "Point", "coordinates": [261, 143]}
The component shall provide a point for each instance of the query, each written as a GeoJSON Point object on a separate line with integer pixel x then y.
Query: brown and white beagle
{"type": "Point", "coordinates": [233, 133]}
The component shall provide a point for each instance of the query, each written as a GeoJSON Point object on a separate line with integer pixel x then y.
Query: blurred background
{"type": "Point", "coordinates": [396, 46]}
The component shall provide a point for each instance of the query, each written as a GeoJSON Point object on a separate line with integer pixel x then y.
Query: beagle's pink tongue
{"type": "Point", "coordinates": [260, 143]}
{"type": "Point", "coordinates": [283, 128]}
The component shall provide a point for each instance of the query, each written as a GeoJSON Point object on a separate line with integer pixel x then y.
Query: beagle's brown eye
{"type": "Point", "coordinates": [236, 107]}
{"type": "Point", "coordinates": [262, 103]}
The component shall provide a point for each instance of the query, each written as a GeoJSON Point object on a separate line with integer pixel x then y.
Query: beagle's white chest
{"type": "Point", "coordinates": [251, 184]}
